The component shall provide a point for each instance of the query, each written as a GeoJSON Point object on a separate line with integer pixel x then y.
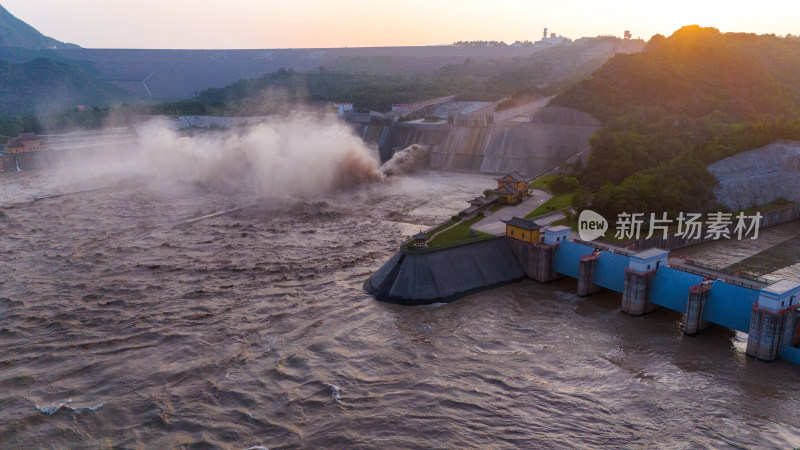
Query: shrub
{"type": "Point", "coordinates": [562, 184]}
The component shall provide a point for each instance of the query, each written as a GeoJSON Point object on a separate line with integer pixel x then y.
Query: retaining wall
{"type": "Point", "coordinates": [445, 275]}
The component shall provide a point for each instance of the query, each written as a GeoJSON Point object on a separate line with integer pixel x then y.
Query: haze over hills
{"type": "Point", "coordinates": [543, 72]}
{"type": "Point", "coordinates": [16, 33]}
{"type": "Point", "coordinates": [101, 77]}
{"type": "Point", "coordinates": [44, 86]}
{"type": "Point", "coordinates": [36, 80]}
{"type": "Point", "coordinates": [179, 74]}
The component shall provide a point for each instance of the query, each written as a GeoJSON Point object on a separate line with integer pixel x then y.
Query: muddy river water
{"type": "Point", "coordinates": [124, 323]}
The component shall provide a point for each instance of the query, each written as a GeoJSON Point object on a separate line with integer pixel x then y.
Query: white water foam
{"type": "Point", "coordinates": [334, 391]}
{"type": "Point", "coordinates": [53, 407]}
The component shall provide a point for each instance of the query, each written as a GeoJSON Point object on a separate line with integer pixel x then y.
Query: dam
{"type": "Point", "coordinates": [647, 280]}
{"type": "Point", "coordinates": [479, 136]}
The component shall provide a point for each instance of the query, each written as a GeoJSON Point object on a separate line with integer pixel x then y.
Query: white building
{"type": "Point", "coordinates": [343, 107]}
{"type": "Point", "coordinates": [551, 40]}
{"type": "Point", "coordinates": [779, 295]}
{"type": "Point", "coordinates": [648, 260]}
{"type": "Point", "coordinates": [556, 234]}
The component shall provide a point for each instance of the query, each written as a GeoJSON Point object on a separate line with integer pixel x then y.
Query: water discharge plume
{"type": "Point", "coordinates": [406, 160]}
{"type": "Point", "coordinates": [294, 157]}
{"type": "Point", "coordinates": [300, 156]}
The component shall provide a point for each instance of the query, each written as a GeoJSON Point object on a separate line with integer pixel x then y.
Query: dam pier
{"type": "Point", "coordinates": [647, 280]}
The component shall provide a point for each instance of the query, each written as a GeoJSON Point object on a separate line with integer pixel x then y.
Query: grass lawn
{"type": "Point", "coordinates": [441, 227]}
{"type": "Point", "coordinates": [458, 233]}
{"type": "Point", "coordinates": [451, 222]}
{"type": "Point", "coordinates": [567, 223]}
{"type": "Point", "coordinates": [542, 182]}
{"type": "Point", "coordinates": [496, 207]}
{"type": "Point", "coordinates": [556, 202]}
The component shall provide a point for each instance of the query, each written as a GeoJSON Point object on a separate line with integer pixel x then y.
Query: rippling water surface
{"type": "Point", "coordinates": [123, 325]}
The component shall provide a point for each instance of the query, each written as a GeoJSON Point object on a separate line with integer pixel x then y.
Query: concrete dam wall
{"type": "Point", "coordinates": [528, 144]}
{"type": "Point", "coordinates": [551, 136]}
{"type": "Point", "coordinates": [404, 134]}
{"type": "Point", "coordinates": [759, 176]}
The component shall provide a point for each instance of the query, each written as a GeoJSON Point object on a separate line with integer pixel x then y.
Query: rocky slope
{"type": "Point", "coordinates": [759, 176]}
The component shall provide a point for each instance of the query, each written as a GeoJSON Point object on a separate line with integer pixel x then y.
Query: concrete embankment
{"type": "Point", "coordinates": [416, 278]}
{"type": "Point", "coordinates": [551, 136]}
{"type": "Point", "coordinates": [529, 144]}
{"type": "Point", "coordinates": [759, 176]}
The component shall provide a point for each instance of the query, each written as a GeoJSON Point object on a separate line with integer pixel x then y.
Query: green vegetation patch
{"type": "Point", "coordinates": [563, 189]}
{"type": "Point", "coordinates": [449, 223]}
{"type": "Point", "coordinates": [555, 203]}
{"type": "Point", "coordinates": [458, 233]}
{"type": "Point", "coordinates": [542, 183]}
{"type": "Point", "coordinates": [441, 227]}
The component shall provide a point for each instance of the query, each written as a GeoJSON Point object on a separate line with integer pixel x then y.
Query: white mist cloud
{"type": "Point", "coordinates": [295, 157]}
{"type": "Point", "coordinates": [406, 160]}
{"type": "Point", "coordinates": [300, 156]}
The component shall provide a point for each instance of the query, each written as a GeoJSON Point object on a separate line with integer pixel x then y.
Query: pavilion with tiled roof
{"type": "Point", "coordinates": [513, 177]}
{"type": "Point", "coordinates": [479, 205]}
{"type": "Point", "coordinates": [511, 188]}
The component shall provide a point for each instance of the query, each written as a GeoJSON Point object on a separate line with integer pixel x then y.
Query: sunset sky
{"type": "Point", "coordinates": [357, 23]}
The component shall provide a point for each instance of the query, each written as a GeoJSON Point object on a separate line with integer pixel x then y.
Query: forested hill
{"type": "Point", "coordinates": [682, 103]}
{"type": "Point", "coordinates": [695, 72]}
{"type": "Point", "coordinates": [43, 86]}
{"type": "Point", "coordinates": [16, 33]}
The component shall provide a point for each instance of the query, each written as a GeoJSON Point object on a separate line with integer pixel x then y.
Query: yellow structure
{"type": "Point", "coordinates": [25, 143]}
{"type": "Point", "coordinates": [522, 230]}
{"type": "Point", "coordinates": [511, 188]}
